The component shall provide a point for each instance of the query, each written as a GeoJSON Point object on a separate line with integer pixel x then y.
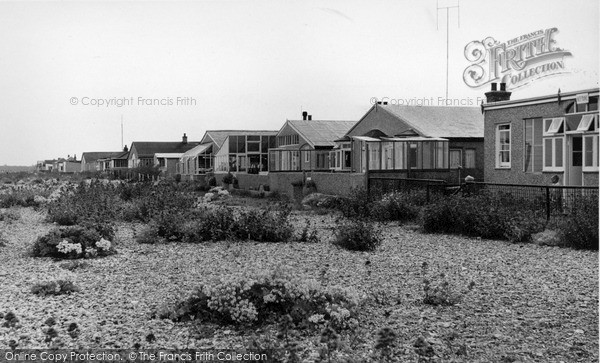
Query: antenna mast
{"type": "Point", "coordinates": [447, 8]}
{"type": "Point", "coordinates": [122, 132]}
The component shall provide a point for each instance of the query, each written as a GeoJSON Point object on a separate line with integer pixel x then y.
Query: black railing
{"type": "Point", "coordinates": [551, 200]}
{"type": "Point", "coordinates": [382, 185]}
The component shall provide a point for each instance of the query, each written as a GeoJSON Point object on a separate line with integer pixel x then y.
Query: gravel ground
{"type": "Point", "coordinates": [527, 303]}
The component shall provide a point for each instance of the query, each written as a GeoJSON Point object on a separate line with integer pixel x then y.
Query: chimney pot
{"type": "Point", "coordinates": [304, 115]}
{"type": "Point", "coordinates": [309, 117]}
{"type": "Point", "coordinates": [494, 86]}
{"type": "Point", "coordinates": [385, 102]}
{"type": "Point", "coordinates": [184, 138]}
{"type": "Point", "coordinates": [502, 86]}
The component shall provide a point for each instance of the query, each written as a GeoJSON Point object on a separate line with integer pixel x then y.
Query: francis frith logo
{"type": "Point", "coordinates": [516, 62]}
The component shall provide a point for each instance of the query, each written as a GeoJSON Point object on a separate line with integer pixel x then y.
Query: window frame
{"type": "Point", "coordinates": [553, 166]}
{"type": "Point", "coordinates": [460, 158]}
{"type": "Point", "coordinates": [499, 163]}
{"type": "Point", "coordinates": [594, 140]}
{"type": "Point", "coordinates": [474, 151]}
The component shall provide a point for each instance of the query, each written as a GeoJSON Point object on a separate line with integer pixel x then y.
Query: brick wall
{"type": "Point", "coordinates": [515, 116]}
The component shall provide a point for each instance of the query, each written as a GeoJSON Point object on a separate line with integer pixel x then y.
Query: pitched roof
{"type": "Point", "coordinates": [197, 150]}
{"type": "Point", "coordinates": [95, 155]}
{"type": "Point", "coordinates": [149, 148]}
{"type": "Point", "coordinates": [321, 132]}
{"type": "Point", "coordinates": [219, 136]}
{"type": "Point", "coordinates": [440, 121]}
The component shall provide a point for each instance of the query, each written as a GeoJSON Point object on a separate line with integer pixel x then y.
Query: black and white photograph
{"type": "Point", "coordinates": [299, 181]}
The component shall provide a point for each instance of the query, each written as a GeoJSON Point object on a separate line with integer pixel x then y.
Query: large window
{"type": "Point", "coordinates": [469, 159]}
{"type": "Point", "coordinates": [288, 140]}
{"type": "Point", "coordinates": [503, 146]}
{"type": "Point", "coordinates": [455, 158]}
{"type": "Point", "coordinates": [553, 154]}
{"type": "Point", "coordinates": [533, 146]}
{"type": "Point", "coordinates": [590, 153]}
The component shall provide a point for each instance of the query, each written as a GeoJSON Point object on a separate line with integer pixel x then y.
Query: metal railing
{"type": "Point", "coordinates": [548, 199]}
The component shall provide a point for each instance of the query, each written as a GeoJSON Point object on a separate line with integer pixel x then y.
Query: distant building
{"type": "Point", "coordinates": [167, 162]}
{"type": "Point", "coordinates": [529, 141]}
{"type": "Point", "coordinates": [423, 142]}
{"type": "Point", "coordinates": [45, 165]}
{"type": "Point", "coordinates": [307, 144]}
{"type": "Point", "coordinates": [141, 153]}
{"type": "Point", "coordinates": [96, 160]}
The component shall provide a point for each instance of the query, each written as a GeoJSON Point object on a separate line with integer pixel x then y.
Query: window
{"type": "Point", "coordinates": [533, 147]}
{"type": "Point", "coordinates": [455, 158]}
{"type": "Point", "coordinates": [553, 154]}
{"type": "Point", "coordinates": [306, 156]}
{"type": "Point", "coordinates": [590, 153]}
{"type": "Point", "coordinates": [554, 126]}
{"type": "Point", "coordinates": [586, 122]}
{"type": "Point", "coordinates": [469, 159]}
{"type": "Point", "coordinates": [503, 146]}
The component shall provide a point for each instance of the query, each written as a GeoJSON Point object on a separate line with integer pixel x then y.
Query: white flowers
{"type": "Point", "coordinates": [103, 244]}
{"type": "Point", "coordinates": [67, 247]}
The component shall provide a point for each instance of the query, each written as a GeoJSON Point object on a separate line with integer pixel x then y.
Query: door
{"type": "Point", "coordinates": [575, 160]}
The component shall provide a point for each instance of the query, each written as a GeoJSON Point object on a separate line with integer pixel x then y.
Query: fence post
{"type": "Point", "coordinates": [547, 203]}
{"type": "Point", "coordinates": [428, 191]}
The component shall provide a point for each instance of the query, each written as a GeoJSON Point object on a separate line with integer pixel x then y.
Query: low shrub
{"type": "Point", "coordinates": [241, 299]}
{"type": "Point", "coordinates": [210, 224]}
{"type": "Point", "coordinates": [212, 181]}
{"type": "Point", "coordinates": [227, 178]}
{"type": "Point", "coordinates": [75, 242]}
{"type": "Point", "coordinates": [22, 197]}
{"type": "Point", "coordinates": [60, 287]}
{"type": "Point", "coordinates": [579, 229]}
{"type": "Point", "coordinates": [264, 225]}
{"type": "Point", "coordinates": [396, 206]}
{"type": "Point", "coordinates": [9, 215]}
{"type": "Point", "coordinates": [216, 224]}
{"type": "Point", "coordinates": [307, 235]}
{"type": "Point", "coordinates": [483, 215]}
{"type": "Point", "coordinates": [358, 235]}
{"type": "Point", "coordinates": [356, 204]}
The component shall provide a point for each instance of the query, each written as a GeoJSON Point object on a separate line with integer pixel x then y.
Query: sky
{"type": "Point", "coordinates": [179, 67]}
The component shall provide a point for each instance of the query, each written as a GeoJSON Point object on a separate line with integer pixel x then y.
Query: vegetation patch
{"type": "Point", "coordinates": [239, 299]}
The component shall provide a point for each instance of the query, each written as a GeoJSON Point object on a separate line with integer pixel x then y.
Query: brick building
{"type": "Point", "coordinates": [528, 141]}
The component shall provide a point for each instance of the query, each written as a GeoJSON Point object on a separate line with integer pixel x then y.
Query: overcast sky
{"type": "Point", "coordinates": [247, 64]}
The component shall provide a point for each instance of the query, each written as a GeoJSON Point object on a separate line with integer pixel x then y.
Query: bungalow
{"type": "Point", "coordinates": [141, 153]}
{"type": "Point", "coordinates": [45, 165]}
{"type": "Point", "coordinates": [306, 144]}
{"type": "Point", "coordinates": [115, 164]}
{"type": "Point", "coordinates": [95, 161]}
{"type": "Point", "coordinates": [415, 142]}
{"type": "Point", "coordinates": [69, 165]}
{"type": "Point", "coordinates": [529, 141]}
{"type": "Point", "coordinates": [167, 162]}
{"type": "Point", "coordinates": [244, 151]}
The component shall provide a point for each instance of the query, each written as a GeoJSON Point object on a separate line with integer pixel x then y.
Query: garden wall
{"type": "Point", "coordinates": [326, 182]}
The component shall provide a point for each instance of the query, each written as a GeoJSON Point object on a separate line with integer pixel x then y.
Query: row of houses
{"type": "Point", "coordinates": [525, 141]}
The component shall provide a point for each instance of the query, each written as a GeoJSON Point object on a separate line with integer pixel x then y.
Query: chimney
{"type": "Point", "coordinates": [184, 139]}
{"type": "Point", "coordinates": [309, 117]}
{"type": "Point", "coordinates": [497, 96]}
{"type": "Point", "coordinates": [304, 115]}
{"type": "Point", "coordinates": [125, 148]}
